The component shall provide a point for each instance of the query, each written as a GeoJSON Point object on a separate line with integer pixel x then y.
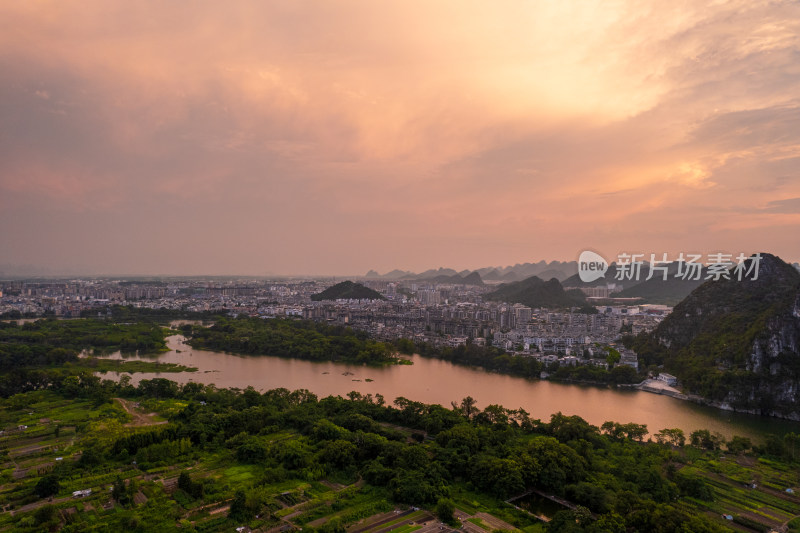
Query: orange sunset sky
{"type": "Point", "coordinates": [334, 137]}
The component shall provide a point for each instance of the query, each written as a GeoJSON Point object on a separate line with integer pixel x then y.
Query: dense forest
{"type": "Point", "coordinates": [42, 354]}
{"type": "Point", "coordinates": [302, 339]}
{"type": "Point", "coordinates": [102, 336]}
{"type": "Point", "coordinates": [263, 454]}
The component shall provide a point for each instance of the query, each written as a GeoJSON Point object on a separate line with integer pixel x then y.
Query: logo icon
{"type": "Point", "coordinates": [591, 266]}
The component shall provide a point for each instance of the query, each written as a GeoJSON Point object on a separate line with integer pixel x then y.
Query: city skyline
{"type": "Point", "coordinates": [330, 139]}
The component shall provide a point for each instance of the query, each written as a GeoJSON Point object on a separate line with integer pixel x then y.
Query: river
{"type": "Point", "coordinates": [434, 381]}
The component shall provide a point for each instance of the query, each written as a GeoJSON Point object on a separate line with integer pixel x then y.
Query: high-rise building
{"type": "Point", "coordinates": [429, 297]}
{"type": "Point", "coordinates": [522, 314]}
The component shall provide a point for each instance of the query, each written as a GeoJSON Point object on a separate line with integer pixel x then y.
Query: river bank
{"type": "Point", "coordinates": [431, 380]}
{"type": "Point", "coordinates": [659, 387]}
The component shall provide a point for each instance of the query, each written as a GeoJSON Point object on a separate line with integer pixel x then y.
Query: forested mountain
{"type": "Point", "coordinates": [347, 290]}
{"type": "Point", "coordinates": [610, 277]}
{"type": "Point", "coordinates": [737, 342]}
{"type": "Point", "coordinates": [654, 291]}
{"type": "Point", "coordinates": [535, 292]}
{"type": "Point", "coordinates": [657, 290]}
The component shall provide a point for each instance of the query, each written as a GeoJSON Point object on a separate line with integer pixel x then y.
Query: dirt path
{"type": "Point", "coordinates": [28, 450]}
{"type": "Point", "coordinates": [37, 504]}
{"type": "Point", "coordinates": [466, 525]}
{"type": "Point", "coordinates": [139, 418]}
{"type": "Point", "coordinates": [384, 519]}
{"type": "Point", "coordinates": [494, 522]}
{"type": "Point", "coordinates": [785, 526]}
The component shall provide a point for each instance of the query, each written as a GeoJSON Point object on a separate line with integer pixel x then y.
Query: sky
{"type": "Point", "coordinates": [333, 137]}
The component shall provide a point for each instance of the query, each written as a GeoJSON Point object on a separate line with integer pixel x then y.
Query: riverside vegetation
{"type": "Point", "coordinates": [164, 457]}
{"type": "Point", "coordinates": [207, 459]}
{"type": "Point", "coordinates": [301, 339]}
{"type": "Point", "coordinates": [498, 360]}
{"type": "Point", "coordinates": [46, 353]}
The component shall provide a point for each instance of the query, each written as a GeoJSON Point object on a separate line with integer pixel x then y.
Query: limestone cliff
{"type": "Point", "coordinates": [737, 343]}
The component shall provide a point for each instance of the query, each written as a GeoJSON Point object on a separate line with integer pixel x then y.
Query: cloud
{"type": "Point", "coordinates": [788, 205]}
{"type": "Point", "coordinates": [466, 133]}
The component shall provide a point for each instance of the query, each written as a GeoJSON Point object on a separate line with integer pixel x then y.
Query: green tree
{"type": "Point", "coordinates": [46, 517]}
{"type": "Point", "coordinates": [564, 522]}
{"type": "Point", "coordinates": [673, 436]}
{"type": "Point", "coordinates": [193, 489]}
{"type": "Point", "coordinates": [467, 408]}
{"type": "Point", "coordinates": [609, 523]}
{"type": "Point", "coordinates": [253, 450]}
{"type": "Point", "coordinates": [238, 511]}
{"type": "Point", "coordinates": [339, 453]}
{"type": "Point", "coordinates": [739, 445]}
{"type": "Point", "coordinates": [694, 486]}
{"type": "Point", "coordinates": [120, 492]}
{"type": "Point", "coordinates": [613, 356]}
{"type": "Point", "coordinates": [445, 509]}
{"type": "Point", "coordinates": [47, 486]}
{"type": "Point", "coordinates": [185, 482]}
{"type": "Point", "coordinates": [703, 438]}
{"type": "Point", "coordinates": [334, 525]}
{"type": "Point", "coordinates": [791, 446]}
{"type": "Point", "coordinates": [502, 477]}
{"type": "Point", "coordinates": [553, 465]}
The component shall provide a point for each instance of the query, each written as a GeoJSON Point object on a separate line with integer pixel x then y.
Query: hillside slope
{"type": "Point", "coordinates": [737, 343]}
{"type": "Point", "coordinates": [347, 290]}
{"type": "Point", "coordinates": [535, 292]}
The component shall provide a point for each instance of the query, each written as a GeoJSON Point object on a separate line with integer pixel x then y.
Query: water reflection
{"type": "Point", "coordinates": [434, 381]}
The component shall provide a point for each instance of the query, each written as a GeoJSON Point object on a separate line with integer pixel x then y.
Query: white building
{"type": "Point", "coordinates": [669, 379]}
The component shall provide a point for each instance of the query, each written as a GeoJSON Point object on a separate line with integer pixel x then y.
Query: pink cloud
{"type": "Point", "coordinates": [475, 133]}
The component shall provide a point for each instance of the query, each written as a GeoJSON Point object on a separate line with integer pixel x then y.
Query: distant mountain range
{"type": "Point", "coordinates": [471, 278]}
{"type": "Point", "coordinates": [347, 290]}
{"type": "Point", "coordinates": [544, 270]}
{"type": "Point", "coordinates": [652, 291]}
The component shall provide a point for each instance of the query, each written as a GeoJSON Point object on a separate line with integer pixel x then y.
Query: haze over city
{"type": "Point", "coordinates": [334, 138]}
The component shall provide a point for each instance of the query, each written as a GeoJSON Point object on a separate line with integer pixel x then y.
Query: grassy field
{"type": "Point", "coordinates": [752, 491]}
{"type": "Point", "coordinates": [43, 431]}
{"type": "Point", "coordinates": [44, 434]}
{"type": "Point", "coordinates": [406, 529]}
{"type": "Point", "coordinates": [480, 523]}
{"type": "Point", "coordinates": [471, 503]}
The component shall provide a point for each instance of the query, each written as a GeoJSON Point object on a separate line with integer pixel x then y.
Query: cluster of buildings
{"type": "Point", "coordinates": [72, 298]}
{"type": "Point", "coordinates": [435, 313]}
